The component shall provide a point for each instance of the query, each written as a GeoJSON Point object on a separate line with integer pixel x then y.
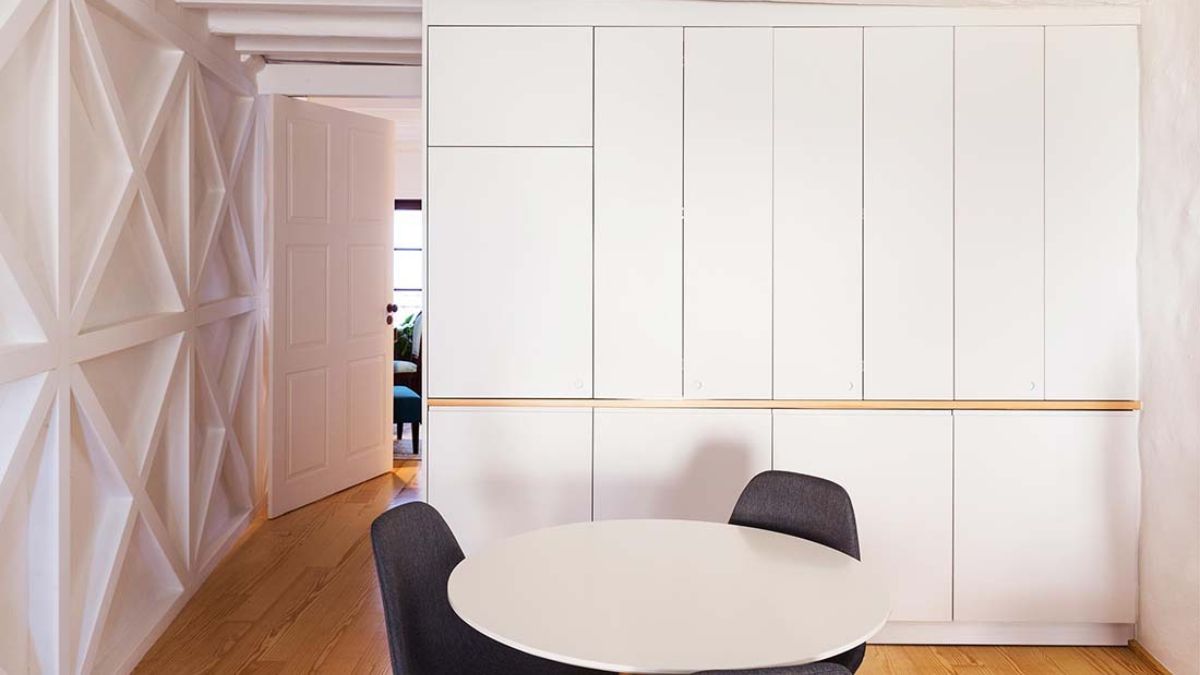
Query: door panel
{"type": "Point", "coordinates": [1091, 212]}
{"type": "Point", "coordinates": [497, 473]}
{"type": "Point", "coordinates": [503, 86]}
{"type": "Point", "coordinates": [908, 225]}
{"type": "Point", "coordinates": [999, 238]}
{"type": "Point", "coordinates": [689, 464]}
{"type": "Point", "coordinates": [510, 272]}
{"type": "Point", "coordinates": [818, 213]}
{"type": "Point", "coordinates": [331, 352]}
{"type": "Point", "coordinates": [727, 226]}
{"type": "Point", "coordinates": [898, 469]}
{"type": "Point", "coordinates": [1046, 517]}
{"type": "Point", "coordinates": [639, 226]}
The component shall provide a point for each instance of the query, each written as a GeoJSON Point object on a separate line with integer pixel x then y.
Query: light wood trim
{"type": "Point", "coordinates": [779, 404]}
{"type": "Point", "coordinates": [1141, 652]}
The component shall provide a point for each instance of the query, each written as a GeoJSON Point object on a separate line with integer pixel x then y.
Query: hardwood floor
{"type": "Point", "coordinates": [298, 595]}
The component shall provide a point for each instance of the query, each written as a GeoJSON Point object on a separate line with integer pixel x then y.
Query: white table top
{"type": "Point", "coordinates": [668, 596]}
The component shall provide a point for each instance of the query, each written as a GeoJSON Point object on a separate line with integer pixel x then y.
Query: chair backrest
{"type": "Point", "coordinates": [415, 552]}
{"type": "Point", "coordinates": [801, 506]}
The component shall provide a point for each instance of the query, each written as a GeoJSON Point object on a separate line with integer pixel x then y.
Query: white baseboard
{"type": "Point", "coordinates": [968, 633]}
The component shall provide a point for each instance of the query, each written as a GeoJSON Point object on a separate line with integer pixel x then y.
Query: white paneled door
{"type": "Point", "coordinates": [727, 208]}
{"type": "Point", "coordinates": [510, 272]}
{"type": "Point", "coordinates": [998, 242]}
{"type": "Point", "coordinates": [1091, 212]}
{"type": "Point", "coordinates": [908, 220]}
{"type": "Point", "coordinates": [331, 283]}
{"type": "Point", "coordinates": [898, 468]}
{"type": "Point", "coordinates": [638, 218]}
{"type": "Point", "coordinates": [818, 213]}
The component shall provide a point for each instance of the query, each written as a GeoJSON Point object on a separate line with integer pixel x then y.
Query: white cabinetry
{"type": "Point", "coordinates": [688, 464]}
{"type": "Point", "coordinates": [818, 213]}
{"type": "Point", "coordinates": [898, 469]}
{"type": "Point", "coordinates": [510, 272]}
{"type": "Point", "coordinates": [727, 228]}
{"type": "Point", "coordinates": [510, 85]}
{"type": "Point", "coordinates": [496, 473]}
{"type": "Point", "coordinates": [639, 223]}
{"type": "Point", "coordinates": [1045, 517]}
{"type": "Point", "coordinates": [998, 243]}
{"type": "Point", "coordinates": [1091, 212]}
{"type": "Point", "coordinates": [908, 227]}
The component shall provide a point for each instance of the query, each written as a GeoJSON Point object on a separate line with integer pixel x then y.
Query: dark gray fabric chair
{"type": "Point", "coordinates": [822, 668]}
{"type": "Point", "coordinates": [415, 551]}
{"type": "Point", "coordinates": [807, 507]}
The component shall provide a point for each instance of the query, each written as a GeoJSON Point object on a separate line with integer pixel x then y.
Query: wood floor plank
{"type": "Point", "coordinates": [298, 595]}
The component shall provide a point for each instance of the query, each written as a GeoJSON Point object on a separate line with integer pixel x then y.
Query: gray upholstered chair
{"type": "Point", "coordinates": [807, 507]}
{"type": "Point", "coordinates": [415, 551]}
{"type": "Point", "coordinates": [822, 668]}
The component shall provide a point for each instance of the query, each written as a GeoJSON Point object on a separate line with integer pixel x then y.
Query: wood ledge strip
{"type": "Point", "coordinates": [1148, 658]}
{"type": "Point", "coordinates": [779, 404]}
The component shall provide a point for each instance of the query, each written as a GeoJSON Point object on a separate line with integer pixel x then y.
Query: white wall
{"type": "Point", "coordinates": [130, 335]}
{"type": "Point", "coordinates": [1169, 611]}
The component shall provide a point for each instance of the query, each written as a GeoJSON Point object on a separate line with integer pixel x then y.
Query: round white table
{"type": "Point", "coordinates": [668, 596]}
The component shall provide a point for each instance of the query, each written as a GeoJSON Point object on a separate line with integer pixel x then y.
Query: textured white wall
{"type": "Point", "coordinates": [130, 332]}
{"type": "Point", "coordinates": [1169, 612]}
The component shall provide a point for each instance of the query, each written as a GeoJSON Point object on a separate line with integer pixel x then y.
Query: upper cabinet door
{"type": "Point", "coordinates": [510, 272]}
{"type": "Point", "coordinates": [727, 226]}
{"type": "Point", "coordinates": [510, 86]}
{"type": "Point", "coordinates": [998, 244]}
{"type": "Point", "coordinates": [1091, 212]}
{"type": "Point", "coordinates": [818, 213]}
{"type": "Point", "coordinates": [908, 228]}
{"type": "Point", "coordinates": [639, 226]}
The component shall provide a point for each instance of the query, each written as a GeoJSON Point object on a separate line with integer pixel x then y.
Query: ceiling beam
{"type": "Point", "coordinates": [315, 24]}
{"type": "Point", "coordinates": [322, 79]}
{"type": "Point", "coordinates": [303, 45]}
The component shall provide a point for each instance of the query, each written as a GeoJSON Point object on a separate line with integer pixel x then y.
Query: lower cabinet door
{"type": "Point", "coordinates": [493, 473]}
{"type": "Point", "coordinates": [898, 469]}
{"type": "Point", "coordinates": [689, 464]}
{"type": "Point", "coordinates": [1046, 516]}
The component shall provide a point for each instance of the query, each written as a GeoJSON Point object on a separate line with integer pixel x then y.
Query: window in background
{"type": "Point", "coordinates": [408, 257]}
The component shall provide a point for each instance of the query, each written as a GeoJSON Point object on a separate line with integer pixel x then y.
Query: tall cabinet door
{"type": "Point", "coordinates": [908, 228]}
{"type": "Point", "coordinates": [510, 272]}
{"type": "Point", "coordinates": [897, 467]}
{"type": "Point", "coordinates": [818, 213]}
{"type": "Point", "coordinates": [727, 202]}
{"type": "Point", "coordinates": [1091, 212]}
{"type": "Point", "coordinates": [1046, 516]}
{"type": "Point", "coordinates": [639, 223]}
{"type": "Point", "coordinates": [998, 241]}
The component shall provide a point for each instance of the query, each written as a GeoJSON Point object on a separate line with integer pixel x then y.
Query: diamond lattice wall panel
{"type": "Point", "coordinates": [131, 387]}
{"type": "Point", "coordinates": [136, 281]}
{"type": "Point", "coordinates": [142, 68]}
{"type": "Point", "coordinates": [117, 459]}
{"type": "Point", "coordinates": [142, 595]}
{"type": "Point", "coordinates": [27, 559]}
{"type": "Point", "coordinates": [247, 198]}
{"type": "Point", "coordinates": [169, 178]}
{"type": "Point", "coordinates": [28, 179]}
{"type": "Point", "coordinates": [100, 167]}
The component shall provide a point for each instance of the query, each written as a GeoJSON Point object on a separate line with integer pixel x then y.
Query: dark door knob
{"type": "Point", "coordinates": [392, 308]}
{"type": "Point", "coordinates": [389, 319]}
